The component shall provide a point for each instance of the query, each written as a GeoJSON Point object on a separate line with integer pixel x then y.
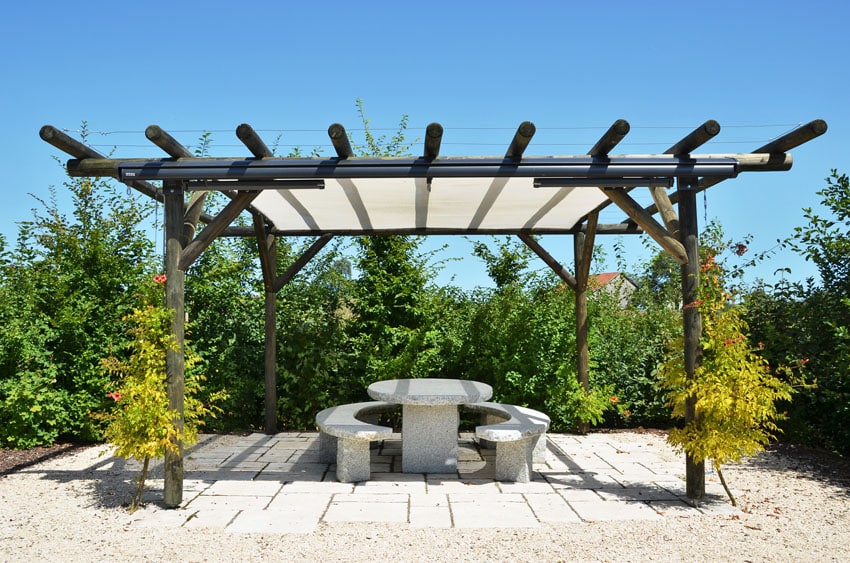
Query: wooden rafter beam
{"type": "Point", "coordinates": [795, 137]}
{"type": "Point", "coordinates": [75, 148]}
{"type": "Point", "coordinates": [687, 145]}
{"type": "Point", "coordinates": [695, 139]}
{"type": "Point", "coordinates": [522, 137]}
{"type": "Point", "coordinates": [174, 149]}
{"type": "Point", "coordinates": [433, 139]}
{"type": "Point", "coordinates": [767, 158]}
{"type": "Point", "coordinates": [253, 142]}
{"type": "Point", "coordinates": [652, 227]}
{"type": "Point", "coordinates": [612, 137]}
{"type": "Point", "coordinates": [340, 141]}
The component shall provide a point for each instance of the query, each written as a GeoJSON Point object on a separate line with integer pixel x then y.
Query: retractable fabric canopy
{"type": "Point", "coordinates": [447, 195]}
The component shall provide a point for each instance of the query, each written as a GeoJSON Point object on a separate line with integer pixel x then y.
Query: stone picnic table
{"type": "Point", "coordinates": [430, 418]}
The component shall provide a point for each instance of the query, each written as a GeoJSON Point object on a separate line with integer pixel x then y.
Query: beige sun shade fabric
{"type": "Point", "coordinates": [408, 204]}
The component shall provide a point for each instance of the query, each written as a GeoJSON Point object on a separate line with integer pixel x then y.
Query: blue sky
{"type": "Point", "coordinates": [478, 68]}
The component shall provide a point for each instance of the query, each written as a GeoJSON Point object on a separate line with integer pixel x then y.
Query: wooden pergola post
{"type": "Point", "coordinates": [270, 362]}
{"type": "Point", "coordinates": [692, 321]}
{"type": "Point", "coordinates": [583, 249]}
{"type": "Point", "coordinates": [583, 356]}
{"type": "Point", "coordinates": [267, 245]}
{"type": "Point", "coordinates": [174, 359]}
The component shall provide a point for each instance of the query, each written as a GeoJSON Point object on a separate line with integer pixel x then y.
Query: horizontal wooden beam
{"type": "Point", "coordinates": [747, 162]}
{"type": "Point", "coordinates": [652, 227]}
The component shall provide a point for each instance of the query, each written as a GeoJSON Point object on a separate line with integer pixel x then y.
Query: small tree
{"type": "Point", "coordinates": [143, 426]}
{"type": "Point", "coordinates": [734, 389]}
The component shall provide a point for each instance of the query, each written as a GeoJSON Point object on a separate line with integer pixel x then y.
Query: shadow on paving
{"type": "Point", "coordinates": [229, 458]}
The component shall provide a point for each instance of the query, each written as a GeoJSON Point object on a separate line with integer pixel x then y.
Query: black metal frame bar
{"type": "Point", "coordinates": [271, 169]}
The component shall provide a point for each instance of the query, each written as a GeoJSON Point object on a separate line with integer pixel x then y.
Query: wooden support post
{"type": "Point", "coordinates": [174, 360]}
{"type": "Point", "coordinates": [268, 262]}
{"type": "Point", "coordinates": [270, 359]}
{"type": "Point", "coordinates": [583, 250]}
{"type": "Point", "coordinates": [692, 322]}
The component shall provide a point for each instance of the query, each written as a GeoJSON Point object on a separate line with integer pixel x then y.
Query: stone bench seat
{"type": "Point", "coordinates": [519, 434]}
{"type": "Point", "coordinates": [344, 438]}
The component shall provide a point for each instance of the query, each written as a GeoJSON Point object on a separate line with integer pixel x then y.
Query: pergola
{"type": "Point", "coordinates": [429, 194]}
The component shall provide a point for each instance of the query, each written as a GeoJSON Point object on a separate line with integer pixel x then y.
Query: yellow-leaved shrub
{"type": "Point", "coordinates": [734, 389]}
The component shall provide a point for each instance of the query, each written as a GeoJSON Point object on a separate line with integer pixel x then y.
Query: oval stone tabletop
{"type": "Point", "coordinates": [431, 391]}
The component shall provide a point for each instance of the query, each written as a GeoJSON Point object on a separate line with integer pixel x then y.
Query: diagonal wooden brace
{"type": "Point", "coordinates": [232, 210]}
{"type": "Point", "coordinates": [650, 226]}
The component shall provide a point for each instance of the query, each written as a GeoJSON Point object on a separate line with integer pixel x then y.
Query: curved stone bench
{"type": "Point", "coordinates": [344, 438]}
{"type": "Point", "coordinates": [519, 434]}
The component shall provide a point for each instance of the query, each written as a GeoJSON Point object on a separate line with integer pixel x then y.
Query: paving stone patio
{"type": "Point", "coordinates": [276, 484]}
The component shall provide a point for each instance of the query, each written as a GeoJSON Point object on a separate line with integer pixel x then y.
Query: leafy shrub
{"type": "Point", "coordinates": [33, 411]}
{"type": "Point", "coordinates": [805, 325]}
{"type": "Point", "coordinates": [734, 392]}
{"type": "Point", "coordinates": [143, 425]}
{"type": "Point", "coordinates": [627, 346]}
{"type": "Point", "coordinates": [64, 290]}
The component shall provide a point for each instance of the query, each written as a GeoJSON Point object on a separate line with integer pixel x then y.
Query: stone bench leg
{"type": "Point", "coordinates": [352, 460]}
{"type": "Point", "coordinates": [538, 449]}
{"type": "Point", "coordinates": [513, 461]}
{"type": "Point", "coordinates": [327, 448]}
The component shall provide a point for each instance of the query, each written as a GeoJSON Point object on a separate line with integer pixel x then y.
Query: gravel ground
{"type": "Point", "coordinates": [795, 505]}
